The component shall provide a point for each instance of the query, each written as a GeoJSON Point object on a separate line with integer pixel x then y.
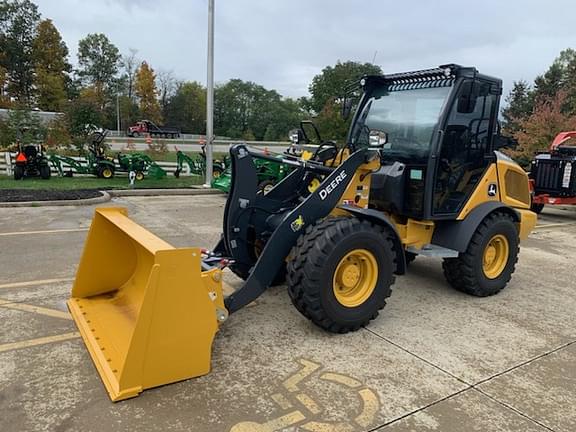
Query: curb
{"type": "Point", "coordinates": [163, 192]}
{"type": "Point", "coordinates": [79, 202]}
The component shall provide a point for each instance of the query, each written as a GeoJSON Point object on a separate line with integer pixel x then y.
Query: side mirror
{"type": "Point", "coordinates": [469, 93]}
{"type": "Point", "coordinates": [347, 107]}
{"type": "Point", "coordinates": [377, 138]}
{"type": "Point", "coordinates": [501, 141]}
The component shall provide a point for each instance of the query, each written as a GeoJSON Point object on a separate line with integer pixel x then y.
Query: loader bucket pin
{"type": "Point", "coordinates": [146, 311]}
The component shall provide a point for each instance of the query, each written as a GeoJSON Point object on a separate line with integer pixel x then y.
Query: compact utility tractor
{"type": "Point", "coordinates": [420, 172]}
{"type": "Point", "coordinates": [31, 162]}
{"type": "Point", "coordinates": [553, 173]}
{"type": "Point", "coordinates": [96, 163]}
{"type": "Point", "coordinates": [197, 164]}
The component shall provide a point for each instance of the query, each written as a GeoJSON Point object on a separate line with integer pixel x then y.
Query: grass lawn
{"type": "Point", "coordinates": [97, 183]}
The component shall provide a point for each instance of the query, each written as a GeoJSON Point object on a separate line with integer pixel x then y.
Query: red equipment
{"type": "Point", "coordinates": [553, 173]}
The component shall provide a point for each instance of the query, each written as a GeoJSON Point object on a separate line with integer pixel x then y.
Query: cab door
{"type": "Point", "coordinates": [465, 147]}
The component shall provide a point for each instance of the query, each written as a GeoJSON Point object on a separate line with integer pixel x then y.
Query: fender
{"type": "Point", "coordinates": [381, 219]}
{"type": "Point", "coordinates": [457, 234]}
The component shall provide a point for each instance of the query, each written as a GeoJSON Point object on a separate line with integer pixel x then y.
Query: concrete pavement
{"type": "Point", "coordinates": [435, 359]}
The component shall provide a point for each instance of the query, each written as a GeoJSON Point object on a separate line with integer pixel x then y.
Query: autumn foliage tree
{"type": "Point", "coordinates": [145, 89]}
{"type": "Point", "coordinates": [537, 131]}
{"type": "Point", "coordinates": [52, 67]}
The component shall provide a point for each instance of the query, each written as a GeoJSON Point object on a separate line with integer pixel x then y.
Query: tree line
{"type": "Point", "coordinates": [536, 112]}
{"type": "Point", "coordinates": [36, 73]}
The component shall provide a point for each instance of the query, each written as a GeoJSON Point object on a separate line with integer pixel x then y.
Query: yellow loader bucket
{"type": "Point", "coordinates": [146, 311]}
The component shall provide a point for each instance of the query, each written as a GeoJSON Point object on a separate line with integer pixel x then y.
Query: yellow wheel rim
{"type": "Point", "coordinates": [139, 176]}
{"type": "Point", "coordinates": [355, 278]}
{"type": "Point", "coordinates": [107, 173]}
{"type": "Point", "coordinates": [495, 256]}
{"type": "Point", "coordinates": [215, 174]}
{"type": "Point", "coordinates": [313, 185]}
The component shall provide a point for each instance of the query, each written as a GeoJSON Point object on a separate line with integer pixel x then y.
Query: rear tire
{"type": "Point", "coordinates": [473, 272]}
{"type": "Point", "coordinates": [266, 186]}
{"type": "Point", "coordinates": [45, 172]}
{"type": "Point", "coordinates": [320, 284]}
{"type": "Point", "coordinates": [18, 172]}
{"type": "Point", "coordinates": [216, 172]}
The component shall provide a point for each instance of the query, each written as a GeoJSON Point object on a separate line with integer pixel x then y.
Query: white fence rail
{"type": "Point", "coordinates": [7, 162]}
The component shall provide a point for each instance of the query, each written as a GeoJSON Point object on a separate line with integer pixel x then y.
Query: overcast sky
{"type": "Point", "coordinates": [282, 44]}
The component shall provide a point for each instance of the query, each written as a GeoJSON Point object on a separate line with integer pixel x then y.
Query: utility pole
{"type": "Point", "coordinates": [210, 95]}
{"type": "Point", "coordinates": [118, 113]}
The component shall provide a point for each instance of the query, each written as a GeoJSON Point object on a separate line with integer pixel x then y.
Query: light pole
{"type": "Point", "coordinates": [118, 113]}
{"type": "Point", "coordinates": [210, 95]}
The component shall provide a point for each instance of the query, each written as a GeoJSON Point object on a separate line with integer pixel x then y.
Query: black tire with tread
{"type": "Point", "coordinates": [314, 260]}
{"type": "Point", "coordinates": [466, 274]}
{"type": "Point", "coordinates": [45, 172]}
{"type": "Point", "coordinates": [18, 172]}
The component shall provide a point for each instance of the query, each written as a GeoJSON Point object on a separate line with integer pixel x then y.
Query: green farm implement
{"type": "Point", "coordinates": [197, 164]}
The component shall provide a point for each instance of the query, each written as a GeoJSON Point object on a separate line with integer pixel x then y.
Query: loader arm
{"type": "Point", "coordinates": [245, 207]}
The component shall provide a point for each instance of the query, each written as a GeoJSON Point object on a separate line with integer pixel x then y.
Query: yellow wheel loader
{"type": "Point", "coordinates": [419, 174]}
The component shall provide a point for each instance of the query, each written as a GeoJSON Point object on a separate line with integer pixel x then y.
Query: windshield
{"type": "Point", "coordinates": [408, 118]}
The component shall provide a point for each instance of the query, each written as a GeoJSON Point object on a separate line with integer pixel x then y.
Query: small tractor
{"type": "Point", "coordinates": [141, 164]}
{"type": "Point", "coordinates": [269, 173]}
{"type": "Point", "coordinates": [419, 173]}
{"type": "Point", "coordinates": [553, 173]}
{"type": "Point", "coordinates": [31, 162]}
{"type": "Point", "coordinates": [197, 164]}
{"type": "Point", "coordinates": [97, 163]}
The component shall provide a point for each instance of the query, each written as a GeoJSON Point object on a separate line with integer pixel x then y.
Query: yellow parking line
{"type": "Point", "coordinates": [38, 341]}
{"type": "Point", "coordinates": [43, 232]}
{"type": "Point", "coordinates": [34, 309]}
{"type": "Point", "coordinates": [34, 283]}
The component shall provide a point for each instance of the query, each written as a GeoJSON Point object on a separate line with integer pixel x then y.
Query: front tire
{"type": "Point", "coordinates": [341, 272]}
{"type": "Point", "coordinates": [488, 263]}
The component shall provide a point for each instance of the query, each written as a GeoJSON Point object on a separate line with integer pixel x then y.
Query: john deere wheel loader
{"type": "Point", "coordinates": [420, 174]}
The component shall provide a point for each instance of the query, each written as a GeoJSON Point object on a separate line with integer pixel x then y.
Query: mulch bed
{"type": "Point", "coordinates": [22, 195]}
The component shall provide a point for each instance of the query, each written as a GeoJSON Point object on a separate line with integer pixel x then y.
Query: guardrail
{"type": "Point", "coordinates": [7, 162]}
{"type": "Point", "coordinates": [193, 141]}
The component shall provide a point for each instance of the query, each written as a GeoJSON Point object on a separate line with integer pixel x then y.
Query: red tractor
{"type": "Point", "coordinates": [553, 173]}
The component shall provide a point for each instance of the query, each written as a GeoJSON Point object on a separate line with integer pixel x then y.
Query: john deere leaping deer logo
{"type": "Point", "coordinates": [302, 411]}
{"type": "Point", "coordinates": [297, 224]}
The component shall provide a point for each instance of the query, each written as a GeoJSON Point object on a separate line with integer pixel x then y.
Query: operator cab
{"type": "Point", "coordinates": [436, 131]}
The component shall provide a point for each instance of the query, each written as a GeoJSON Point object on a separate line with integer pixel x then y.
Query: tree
{"type": "Point", "coordinates": [82, 115]}
{"type": "Point", "coordinates": [537, 131]}
{"type": "Point", "coordinates": [520, 103]}
{"type": "Point", "coordinates": [186, 109]}
{"type": "Point", "coordinates": [129, 63]}
{"type": "Point", "coordinates": [243, 108]}
{"type": "Point", "coordinates": [18, 23]}
{"type": "Point", "coordinates": [50, 60]}
{"type": "Point", "coordinates": [332, 82]}
{"type": "Point", "coordinates": [166, 87]}
{"type": "Point", "coordinates": [22, 126]}
{"type": "Point", "coordinates": [330, 123]}
{"type": "Point", "coordinates": [145, 89]}
{"type": "Point", "coordinates": [98, 61]}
